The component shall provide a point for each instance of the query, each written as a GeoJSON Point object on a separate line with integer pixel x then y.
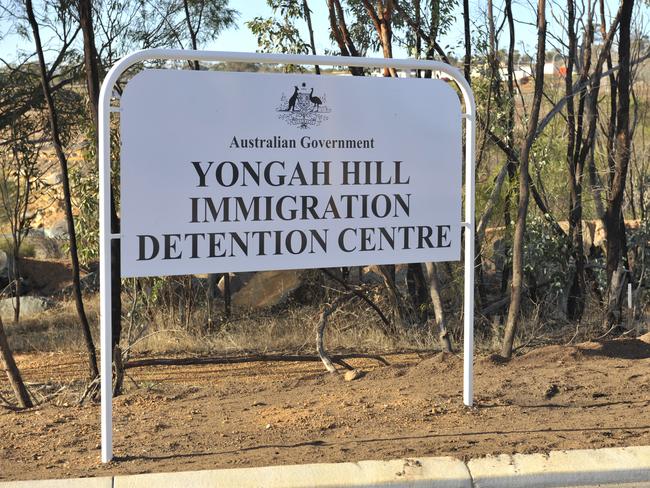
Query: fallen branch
{"type": "Point", "coordinates": [387, 327]}
{"type": "Point", "coordinates": [4, 403]}
{"type": "Point", "coordinates": [338, 359]}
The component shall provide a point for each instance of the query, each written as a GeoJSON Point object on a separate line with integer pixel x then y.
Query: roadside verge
{"type": "Point", "coordinates": [624, 466]}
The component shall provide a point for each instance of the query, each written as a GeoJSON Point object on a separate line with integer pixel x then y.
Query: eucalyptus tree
{"type": "Point", "coordinates": [280, 33]}
{"type": "Point", "coordinates": [64, 17]}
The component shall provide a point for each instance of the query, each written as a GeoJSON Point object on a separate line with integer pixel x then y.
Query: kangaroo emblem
{"type": "Point", "coordinates": [292, 100]}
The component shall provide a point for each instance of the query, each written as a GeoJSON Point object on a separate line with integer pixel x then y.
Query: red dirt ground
{"type": "Point", "coordinates": [201, 417]}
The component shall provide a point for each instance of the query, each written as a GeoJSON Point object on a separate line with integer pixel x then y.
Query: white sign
{"type": "Point", "coordinates": [245, 171]}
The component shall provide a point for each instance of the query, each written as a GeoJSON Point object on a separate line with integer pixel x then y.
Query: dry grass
{"type": "Point", "coordinates": [292, 329]}
{"type": "Point", "coordinates": [56, 329]}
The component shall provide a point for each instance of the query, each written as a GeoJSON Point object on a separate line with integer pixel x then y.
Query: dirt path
{"type": "Point", "coordinates": [203, 417]}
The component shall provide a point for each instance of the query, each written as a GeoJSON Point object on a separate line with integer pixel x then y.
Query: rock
{"type": "Point", "coordinates": [58, 230]}
{"type": "Point", "coordinates": [369, 277]}
{"type": "Point", "coordinates": [29, 306]}
{"type": "Point", "coordinates": [268, 289]}
{"type": "Point", "coordinates": [551, 391]}
{"type": "Point", "coordinates": [53, 179]}
{"type": "Point", "coordinates": [237, 281]}
{"type": "Point", "coordinates": [44, 247]}
{"type": "Point", "coordinates": [90, 282]}
{"type": "Point", "coordinates": [353, 374]}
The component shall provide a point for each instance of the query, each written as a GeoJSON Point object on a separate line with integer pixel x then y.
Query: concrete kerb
{"type": "Point", "coordinates": [623, 466]}
{"type": "Point", "coordinates": [442, 472]}
{"type": "Point", "coordinates": [563, 468]}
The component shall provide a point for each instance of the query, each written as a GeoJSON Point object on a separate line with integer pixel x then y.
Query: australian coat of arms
{"type": "Point", "coordinates": [303, 108]}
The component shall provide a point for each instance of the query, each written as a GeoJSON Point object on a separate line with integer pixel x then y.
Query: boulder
{"type": "Point", "coordinates": [29, 306]}
{"type": "Point", "coordinates": [58, 230]}
{"type": "Point", "coordinates": [268, 289]}
{"type": "Point", "coordinates": [237, 281]}
{"type": "Point", "coordinates": [353, 374]}
{"type": "Point", "coordinates": [53, 179]}
{"type": "Point", "coordinates": [370, 277]}
{"type": "Point", "coordinates": [45, 248]}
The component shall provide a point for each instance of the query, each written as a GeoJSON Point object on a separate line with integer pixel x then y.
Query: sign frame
{"type": "Point", "coordinates": [107, 234]}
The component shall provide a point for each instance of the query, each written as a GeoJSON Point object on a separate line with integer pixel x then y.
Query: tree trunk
{"type": "Point", "coordinates": [226, 294]}
{"type": "Point", "coordinates": [576, 300]}
{"type": "Point", "coordinates": [467, 63]}
{"type": "Point", "coordinates": [320, 331]}
{"type": "Point", "coordinates": [402, 318]}
{"type": "Point", "coordinates": [15, 380]}
{"type": "Point", "coordinates": [91, 64]}
{"type": "Point", "coordinates": [510, 131]}
{"type": "Point", "coordinates": [312, 43]}
{"type": "Point", "coordinates": [382, 20]}
{"type": "Point", "coordinates": [614, 213]}
{"type": "Point", "coordinates": [436, 300]}
{"type": "Point", "coordinates": [524, 188]}
{"type": "Point", "coordinates": [16, 272]}
{"type": "Point", "coordinates": [63, 162]}
{"type": "Point", "coordinates": [194, 64]}
{"type": "Point", "coordinates": [341, 34]}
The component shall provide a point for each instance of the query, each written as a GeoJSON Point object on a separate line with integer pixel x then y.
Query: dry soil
{"type": "Point", "coordinates": [202, 417]}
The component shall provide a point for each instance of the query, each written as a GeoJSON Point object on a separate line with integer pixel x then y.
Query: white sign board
{"type": "Point", "coordinates": [244, 171]}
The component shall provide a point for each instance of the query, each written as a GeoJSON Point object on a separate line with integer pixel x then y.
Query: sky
{"type": "Point", "coordinates": [242, 39]}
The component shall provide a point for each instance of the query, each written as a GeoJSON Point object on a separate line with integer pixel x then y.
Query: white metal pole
{"type": "Point", "coordinates": [468, 299]}
{"type": "Point", "coordinates": [105, 174]}
{"type": "Point", "coordinates": [629, 295]}
{"type": "Point", "coordinates": [105, 236]}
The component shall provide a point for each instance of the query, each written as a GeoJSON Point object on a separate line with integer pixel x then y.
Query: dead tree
{"type": "Point", "coordinates": [328, 310]}
{"type": "Point", "coordinates": [524, 188]}
{"type": "Point", "coordinates": [614, 222]}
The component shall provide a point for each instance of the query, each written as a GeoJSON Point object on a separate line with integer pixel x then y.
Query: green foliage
{"type": "Point", "coordinates": [20, 178]}
{"type": "Point", "coordinates": [86, 222]}
{"type": "Point", "coordinates": [84, 181]}
{"type": "Point", "coordinates": [546, 256]}
{"type": "Point", "coordinates": [436, 19]}
{"type": "Point", "coordinates": [280, 34]}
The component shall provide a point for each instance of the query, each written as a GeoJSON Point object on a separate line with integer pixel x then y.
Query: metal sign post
{"type": "Point", "coordinates": [106, 107]}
